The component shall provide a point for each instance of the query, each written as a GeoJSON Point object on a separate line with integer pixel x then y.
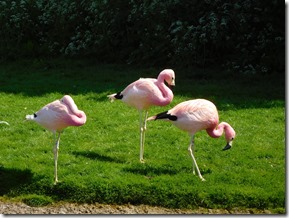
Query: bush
{"type": "Point", "coordinates": [244, 36]}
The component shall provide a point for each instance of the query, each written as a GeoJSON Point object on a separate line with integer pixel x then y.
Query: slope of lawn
{"type": "Point", "coordinates": [99, 162]}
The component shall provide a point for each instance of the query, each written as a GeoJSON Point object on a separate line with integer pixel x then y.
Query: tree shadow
{"type": "Point", "coordinates": [34, 78]}
{"type": "Point", "coordinates": [13, 179]}
{"type": "Point", "coordinates": [95, 156]}
{"type": "Point", "coordinates": [227, 91]}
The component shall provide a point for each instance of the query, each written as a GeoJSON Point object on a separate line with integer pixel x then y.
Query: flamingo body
{"type": "Point", "coordinates": [147, 92]}
{"type": "Point", "coordinates": [144, 93]}
{"type": "Point", "coordinates": [196, 115]}
{"type": "Point", "coordinates": [59, 114]}
{"type": "Point", "coordinates": [56, 116]}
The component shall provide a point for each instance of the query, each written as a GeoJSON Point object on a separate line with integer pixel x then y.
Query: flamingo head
{"type": "Point", "coordinates": [230, 134]}
{"type": "Point", "coordinates": [168, 75]}
{"type": "Point", "coordinates": [67, 100]}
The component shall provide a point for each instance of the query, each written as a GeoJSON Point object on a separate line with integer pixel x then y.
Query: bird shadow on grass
{"type": "Point", "coordinates": [13, 179]}
{"type": "Point", "coordinates": [96, 156]}
{"type": "Point", "coordinates": [150, 171]}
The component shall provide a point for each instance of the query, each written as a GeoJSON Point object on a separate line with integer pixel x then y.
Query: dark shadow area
{"type": "Point", "coordinates": [226, 90]}
{"type": "Point", "coordinates": [13, 179]}
{"type": "Point", "coordinates": [97, 157]}
{"type": "Point", "coordinates": [151, 171]}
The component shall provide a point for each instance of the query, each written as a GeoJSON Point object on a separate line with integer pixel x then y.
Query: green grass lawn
{"type": "Point", "coordinates": [99, 162]}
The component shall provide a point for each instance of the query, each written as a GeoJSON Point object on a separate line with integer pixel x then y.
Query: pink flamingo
{"type": "Point", "coordinates": [144, 93]}
{"type": "Point", "coordinates": [195, 115]}
{"type": "Point", "coordinates": [56, 116]}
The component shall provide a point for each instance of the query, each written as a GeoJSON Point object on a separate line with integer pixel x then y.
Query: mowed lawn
{"type": "Point", "coordinates": [99, 162]}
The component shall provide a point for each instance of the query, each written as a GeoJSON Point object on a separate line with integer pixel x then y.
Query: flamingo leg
{"type": "Point", "coordinates": [55, 151]}
{"type": "Point", "coordinates": [142, 124]}
{"type": "Point", "coordinates": [190, 149]}
{"type": "Point", "coordinates": [144, 130]}
{"type": "Point", "coordinates": [193, 151]}
{"type": "Point", "coordinates": [141, 136]}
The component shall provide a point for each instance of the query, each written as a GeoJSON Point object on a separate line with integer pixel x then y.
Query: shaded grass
{"type": "Point", "coordinates": [99, 162]}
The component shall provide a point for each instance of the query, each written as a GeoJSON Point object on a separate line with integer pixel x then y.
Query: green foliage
{"type": "Point", "coordinates": [244, 36]}
{"type": "Point", "coordinates": [99, 162]}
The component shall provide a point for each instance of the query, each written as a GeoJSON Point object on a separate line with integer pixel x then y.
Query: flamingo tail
{"type": "Point", "coordinates": [163, 115]}
{"type": "Point", "coordinates": [31, 117]}
{"type": "Point", "coordinates": [114, 96]}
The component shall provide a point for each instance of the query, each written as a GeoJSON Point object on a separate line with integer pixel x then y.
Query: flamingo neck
{"type": "Point", "coordinates": [80, 116]}
{"type": "Point", "coordinates": [165, 90]}
{"type": "Point", "coordinates": [217, 131]}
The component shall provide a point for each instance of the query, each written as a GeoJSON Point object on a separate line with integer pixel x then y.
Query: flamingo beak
{"type": "Point", "coordinates": [228, 146]}
{"type": "Point", "coordinates": [170, 85]}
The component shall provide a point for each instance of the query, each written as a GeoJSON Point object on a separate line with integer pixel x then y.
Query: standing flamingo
{"type": "Point", "coordinates": [195, 115]}
{"type": "Point", "coordinates": [144, 93]}
{"type": "Point", "coordinates": [56, 116]}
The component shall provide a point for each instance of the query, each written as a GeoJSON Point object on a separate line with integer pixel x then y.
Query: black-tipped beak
{"type": "Point", "coordinates": [228, 146]}
{"type": "Point", "coordinates": [172, 86]}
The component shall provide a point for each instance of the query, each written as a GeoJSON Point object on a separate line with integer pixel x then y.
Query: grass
{"type": "Point", "coordinates": [99, 162]}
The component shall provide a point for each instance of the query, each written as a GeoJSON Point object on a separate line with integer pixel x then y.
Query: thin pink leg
{"type": "Point", "coordinates": [190, 149]}
{"type": "Point", "coordinates": [55, 151]}
{"type": "Point", "coordinates": [142, 124]}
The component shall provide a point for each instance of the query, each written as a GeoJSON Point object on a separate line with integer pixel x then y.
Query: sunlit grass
{"type": "Point", "coordinates": [99, 162]}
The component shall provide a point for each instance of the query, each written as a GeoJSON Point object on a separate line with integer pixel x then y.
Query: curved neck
{"type": "Point", "coordinates": [68, 101]}
{"type": "Point", "coordinates": [218, 131]}
{"type": "Point", "coordinates": [165, 90]}
{"type": "Point", "coordinates": [80, 116]}
{"type": "Point", "coordinates": [77, 119]}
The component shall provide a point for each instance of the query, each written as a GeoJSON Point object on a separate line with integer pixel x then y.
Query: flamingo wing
{"type": "Point", "coordinates": [53, 116]}
{"type": "Point", "coordinates": [141, 94]}
{"type": "Point", "coordinates": [195, 115]}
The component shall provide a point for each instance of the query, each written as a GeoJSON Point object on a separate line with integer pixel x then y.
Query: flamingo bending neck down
{"type": "Point", "coordinates": [144, 93]}
{"type": "Point", "coordinates": [195, 115]}
{"type": "Point", "coordinates": [56, 116]}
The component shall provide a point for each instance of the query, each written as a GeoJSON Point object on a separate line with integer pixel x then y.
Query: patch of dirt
{"type": "Point", "coordinates": [73, 208]}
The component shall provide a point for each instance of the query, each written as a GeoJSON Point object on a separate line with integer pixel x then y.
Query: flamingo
{"type": "Point", "coordinates": [195, 115]}
{"type": "Point", "coordinates": [56, 116]}
{"type": "Point", "coordinates": [144, 93]}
